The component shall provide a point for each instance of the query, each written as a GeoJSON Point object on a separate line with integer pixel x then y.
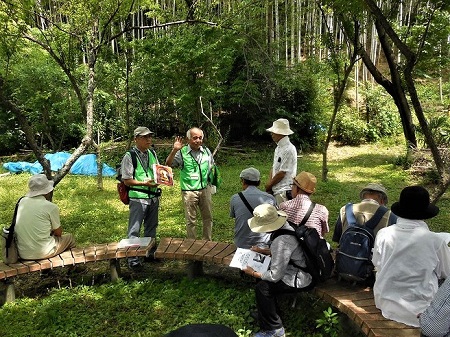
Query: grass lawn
{"type": "Point", "coordinates": [162, 298]}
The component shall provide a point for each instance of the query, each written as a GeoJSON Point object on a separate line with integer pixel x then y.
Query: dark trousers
{"type": "Point", "coordinates": [266, 302]}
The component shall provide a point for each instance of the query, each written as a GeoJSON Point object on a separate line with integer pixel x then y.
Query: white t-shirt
{"type": "Point", "coordinates": [409, 259]}
{"type": "Point", "coordinates": [284, 159]}
{"type": "Point", "coordinates": [36, 218]}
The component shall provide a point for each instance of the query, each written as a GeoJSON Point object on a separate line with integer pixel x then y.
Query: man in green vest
{"type": "Point", "coordinates": [195, 162]}
{"type": "Point", "coordinates": [137, 174]}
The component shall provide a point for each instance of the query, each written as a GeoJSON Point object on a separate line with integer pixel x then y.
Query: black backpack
{"type": "Point", "coordinates": [354, 257]}
{"type": "Point", "coordinates": [319, 261]}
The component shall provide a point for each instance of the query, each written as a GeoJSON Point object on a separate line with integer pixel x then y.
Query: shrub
{"type": "Point", "coordinates": [349, 129]}
{"type": "Point", "coordinates": [381, 115]}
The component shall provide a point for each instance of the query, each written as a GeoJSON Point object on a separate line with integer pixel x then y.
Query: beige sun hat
{"type": "Point", "coordinates": [39, 185]}
{"type": "Point", "coordinates": [281, 127]}
{"type": "Point", "coordinates": [266, 218]}
{"type": "Point", "coordinates": [306, 181]}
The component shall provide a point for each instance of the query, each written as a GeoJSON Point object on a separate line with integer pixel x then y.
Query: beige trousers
{"type": "Point", "coordinates": [198, 200]}
{"type": "Point", "coordinates": [63, 242]}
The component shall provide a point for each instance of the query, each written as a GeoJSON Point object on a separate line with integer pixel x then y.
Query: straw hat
{"type": "Point", "coordinates": [39, 185]}
{"type": "Point", "coordinates": [266, 218]}
{"type": "Point", "coordinates": [281, 127]}
{"type": "Point", "coordinates": [414, 204]}
{"type": "Point", "coordinates": [306, 181]}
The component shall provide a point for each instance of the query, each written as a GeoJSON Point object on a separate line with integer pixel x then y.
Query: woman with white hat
{"type": "Point", "coordinates": [285, 274]}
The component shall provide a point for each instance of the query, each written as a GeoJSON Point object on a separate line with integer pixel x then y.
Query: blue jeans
{"type": "Point", "coordinates": [142, 211]}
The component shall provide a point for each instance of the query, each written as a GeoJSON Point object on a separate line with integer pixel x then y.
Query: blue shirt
{"type": "Point", "coordinates": [243, 236]}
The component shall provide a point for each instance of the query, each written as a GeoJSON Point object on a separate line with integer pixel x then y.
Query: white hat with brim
{"type": "Point", "coordinates": [39, 185]}
{"type": "Point", "coordinates": [281, 127]}
{"type": "Point", "coordinates": [266, 218]}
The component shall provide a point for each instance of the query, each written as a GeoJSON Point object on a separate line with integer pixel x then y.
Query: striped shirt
{"type": "Point", "coordinates": [297, 208]}
{"type": "Point", "coordinates": [435, 321]}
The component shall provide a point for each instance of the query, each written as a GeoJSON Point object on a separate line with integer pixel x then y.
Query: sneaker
{"type": "Point", "coordinates": [271, 333]}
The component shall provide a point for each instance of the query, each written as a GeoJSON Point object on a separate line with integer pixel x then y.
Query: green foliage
{"type": "Point", "coordinates": [42, 91]}
{"type": "Point", "coordinates": [348, 128]}
{"type": "Point", "coordinates": [175, 71]}
{"type": "Point", "coordinates": [381, 115]}
{"type": "Point", "coordinates": [329, 323]}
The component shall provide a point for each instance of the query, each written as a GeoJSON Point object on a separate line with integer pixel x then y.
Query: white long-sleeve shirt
{"type": "Point", "coordinates": [409, 260]}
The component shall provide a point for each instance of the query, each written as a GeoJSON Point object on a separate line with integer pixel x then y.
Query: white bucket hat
{"type": "Point", "coordinates": [266, 218]}
{"type": "Point", "coordinates": [39, 185]}
{"type": "Point", "coordinates": [281, 127]}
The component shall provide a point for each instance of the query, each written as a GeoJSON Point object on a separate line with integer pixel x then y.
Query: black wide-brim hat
{"type": "Point", "coordinates": [414, 204]}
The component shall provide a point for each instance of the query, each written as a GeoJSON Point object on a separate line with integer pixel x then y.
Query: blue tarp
{"type": "Point", "coordinates": [85, 165]}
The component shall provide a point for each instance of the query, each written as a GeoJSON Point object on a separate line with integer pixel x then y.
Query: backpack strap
{"type": "Point", "coordinates": [376, 218]}
{"type": "Point", "coordinates": [245, 201]}
{"type": "Point", "coordinates": [306, 217]}
{"type": "Point", "coordinates": [351, 220]}
{"type": "Point", "coordinates": [13, 224]}
{"type": "Point", "coordinates": [371, 223]}
{"type": "Point", "coordinates": [282, 231]}
{"type": "Point", "coordinates": [133, 155]}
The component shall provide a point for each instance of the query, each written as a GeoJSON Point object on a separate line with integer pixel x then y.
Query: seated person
{"type": "Point", "coordinates": [409, 259]}
{"type": "Point", "coordinates": [38, 228]}
{"type": "Point", "coordinates": [372, 196]}
{"type": "Point", "coordinates": [435, 320]}
{"type": "Point", "coordinates": [284, 274]}
{"type": "Point", "coordinates": [304, 185]}
{"type": "Point", "coordinates": [243, 236]}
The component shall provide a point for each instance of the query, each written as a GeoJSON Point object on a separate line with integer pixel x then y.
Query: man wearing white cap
{"type": "Point", "coordinates": [137, 174]}
{"type": "Point", "coordinates": [284, 165]}
{"type": "Point", "coordinates": [241, 209]}
{"type": "Point", "coordinates": [38, 227]}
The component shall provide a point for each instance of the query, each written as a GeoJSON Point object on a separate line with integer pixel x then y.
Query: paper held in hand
{"type": "Point", "coordinates": [246, 257]}
{"type": "Point", "coordinates": [163, 174]}
{"type": "Point", "coordinates": [134, 242]}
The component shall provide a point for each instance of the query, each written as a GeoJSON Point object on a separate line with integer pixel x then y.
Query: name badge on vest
{"type": "Point", "coordinates": [194, 176]}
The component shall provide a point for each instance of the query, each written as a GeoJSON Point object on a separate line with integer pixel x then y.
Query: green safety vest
{"type": "Point", "coordinates": [194, 175]}
{"type": "Point", "coordinates": [140, 174]}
